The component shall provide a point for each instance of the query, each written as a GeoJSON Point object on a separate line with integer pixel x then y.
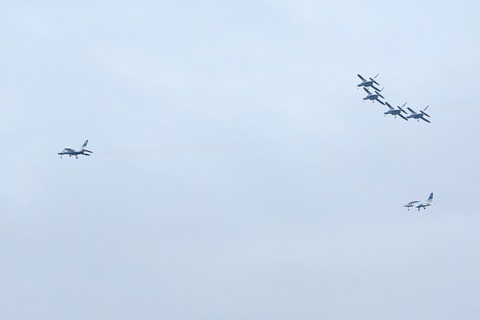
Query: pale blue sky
{"type": "Point", "coordinates": [236, 172]}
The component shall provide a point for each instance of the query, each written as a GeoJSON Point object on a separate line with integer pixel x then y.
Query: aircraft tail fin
{"type": "Point", "coordinates": [85, 144]}
{"type": "Point", "coordinates": [430, 198]}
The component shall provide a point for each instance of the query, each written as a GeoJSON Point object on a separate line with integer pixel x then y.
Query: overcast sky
{"type": "Point", "coordinates": [236, 172]}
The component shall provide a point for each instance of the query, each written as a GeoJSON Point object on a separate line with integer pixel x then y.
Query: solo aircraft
{"type": "Point", "coordinates": [373, 96]}
{"type": "Point", "coordinates": [76, 153]}
{"type": "Point", "coordinates": [396, 112]}
{"type": "Point", "coordinates": [419, 115]}
{"type": "Point", "coordinates": [420, 204]}
{"type": "Point", "coordinates": [368, 83]}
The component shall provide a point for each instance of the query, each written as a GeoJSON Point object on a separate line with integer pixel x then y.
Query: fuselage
{"type": "Point", "coordinates": [371, 97]}
{"type": "Point", "coordinates": [415, 116]}
{"type": "Point", "coordinates": [411, 204]}
{"type": "Point", "coordinates": [394, 112]}
{"type": "Point", "coordinates": [426, 203]}
{"type": "Point", "coordinates": [365, 84]}
{"type": "Point", "coordinates": [71, 153]}
{"type": "Point", "coordinates": [74, 153]}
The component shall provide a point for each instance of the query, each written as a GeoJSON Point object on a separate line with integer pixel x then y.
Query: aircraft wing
{"type": "Point", "coordinates": [400, 108]}
{"type": "Point", "coordinates": [420, 204]}
{"type": "Point", "coordinates": [388, 105]}
{"type": "Point", "coordinates": [380, 101]}
{"type": "Point", "coordinates": [400, 115]}
{"type": "Point", "coordinates": [68, 149]}
{"type": "Point", "coordinates": [373, 80]}
{"type": "Point", "coordinates": [411, 110]}
{"type": "Point", "coordinates": [425, 119]}
{"type": "Point", "coordinates": [424, 113]}
{"type": "Point", "coordinates": [376, 89]}
{"type": "Point", "coordinates": [413, 202]}
{"type": "Point", "coordinates": [366, 90]}
{"type": "Point", "coordinates": [363, 79]}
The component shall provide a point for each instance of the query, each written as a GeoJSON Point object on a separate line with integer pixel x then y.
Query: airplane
{"type": "Point", "coordinates": [420, 204]}
{"type": "Point", "coordinates": [72, 152]}
{"type": "Point", "coordinates": [368, 83]}
{"type": "Point", "coordinates": [396, 112]}
{"type": "Point", "coordinates": [373, 97]}
{"type": "Point", "coordinates": [419, 115]}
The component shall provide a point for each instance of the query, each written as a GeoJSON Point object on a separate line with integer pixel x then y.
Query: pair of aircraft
{"type": "Point", "coordinates": [371, 82]}
{"type": "Point", "coordinates": [72, 152]}
{"type": "Point", "coordinates": [420, 204]}
{"type": "Point", "coordinates": [413, 114]}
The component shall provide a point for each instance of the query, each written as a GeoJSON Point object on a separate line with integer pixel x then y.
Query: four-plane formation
{"type": "Point", "coordinates": [372, 84]}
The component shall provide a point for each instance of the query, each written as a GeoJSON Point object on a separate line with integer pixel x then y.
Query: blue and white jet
{"type": "Point", "coordinates": [419, 115]}
{"type": "Point", "coordinates": [420, 204]}
{"type": "Point", "coordinates": [76, 153]}
{"type": "Point", "coordinates": [374, 96]}
{"type": "Point", "coordinates": [368, 83]}
{"type": "Point", "coordinates": [396, 112]}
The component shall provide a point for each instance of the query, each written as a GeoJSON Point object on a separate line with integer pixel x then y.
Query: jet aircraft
{"type": "Point", "coordinates": [396, 112]}
{"type": "Point", "coordinates": [420, 204]}
{"type": "Point", "coordinates": [419, 115]}
{"type": "Point", "coordinates": [374, 96]}
{"type": "Point", "coordinates": [368, 83]}
{"type": "Point", "coordinates": [73, 152]}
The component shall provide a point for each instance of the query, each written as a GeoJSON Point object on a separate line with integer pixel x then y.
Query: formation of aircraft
{"type": "Point", "coordinates": [72, 152]}
{"type": "Point", "coordinates": [420, 204]}
{"type": "Point", "coordinates": [366, 84]}
{"type": "Point", "coordinates": [370, 96]}
{"type": "Point", "coordinates": [371, 84]}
